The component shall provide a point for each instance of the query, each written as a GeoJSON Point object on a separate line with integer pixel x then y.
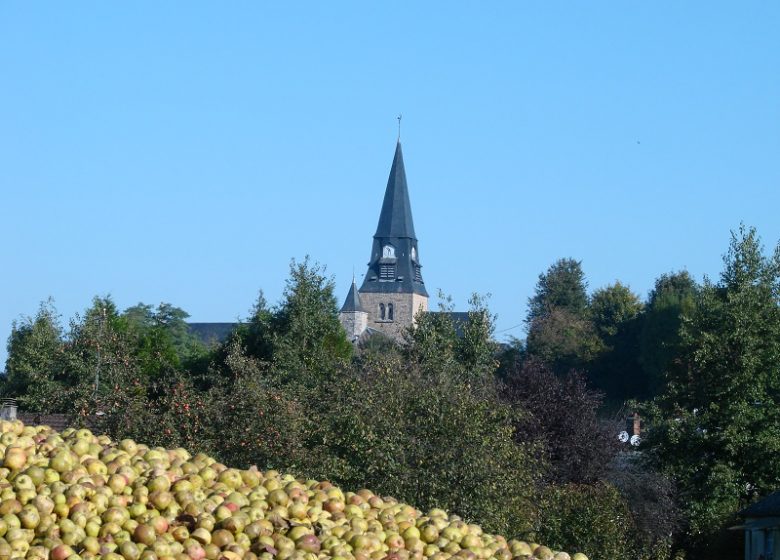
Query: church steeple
{"type": "Point", "coordinates": [395, 220]}
{"type": "Point", "coordinates": [395, 261]}
{"type": "Point", "coordinates": [393, 292]}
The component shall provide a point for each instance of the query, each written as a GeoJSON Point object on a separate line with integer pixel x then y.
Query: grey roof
{"type": "Point", "coordinates": [212, 333]}
{"type": "Point", "coordinates": [768, 507]}
{"type": "Point", "coordinates": [352, 303]}
{"type": "Point", "coordinates": [459, 320]}
{"type": "Point", "coordinates": [395, 219]}
{"type": "Point", "coordinates": [400, 271]}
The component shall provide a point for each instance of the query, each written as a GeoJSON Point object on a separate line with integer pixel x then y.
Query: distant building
{"type": "Point", "coordinates": [762, 529]}
{"type": "Point", "coordinates": [393, 290]}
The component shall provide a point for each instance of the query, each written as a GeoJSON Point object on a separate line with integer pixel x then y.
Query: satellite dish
{"type": "Point", "coordinates": [635, 440]}
{"type": "Point", "coordinates": [623, 436]}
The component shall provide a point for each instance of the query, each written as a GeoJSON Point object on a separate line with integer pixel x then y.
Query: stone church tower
{"type": "Point", "coordinates": [393, 290]}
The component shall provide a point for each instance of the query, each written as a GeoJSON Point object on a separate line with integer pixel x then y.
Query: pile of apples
{"type": "Point", "coordinates": [77, 496]}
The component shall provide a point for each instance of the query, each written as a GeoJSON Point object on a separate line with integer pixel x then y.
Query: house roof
{"type": "Point", "coordinates": [395, 220]}
{"type": "Point", "coordinates": [767, 507]}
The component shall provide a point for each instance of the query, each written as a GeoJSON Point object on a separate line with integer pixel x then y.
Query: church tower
{"type": "Point", "coordinates": [353, 317]}
{"type": "Point", "coordinates": [393, 290]}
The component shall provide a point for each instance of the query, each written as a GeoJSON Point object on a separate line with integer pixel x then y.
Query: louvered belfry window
{"type": "Point", "coordinates": [417, 273]}
{"type": "Point", "coordinates": [386, 272]}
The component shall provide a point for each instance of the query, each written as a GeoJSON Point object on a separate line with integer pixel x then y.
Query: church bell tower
{"type": "Point", "coordinates": [393, 290]}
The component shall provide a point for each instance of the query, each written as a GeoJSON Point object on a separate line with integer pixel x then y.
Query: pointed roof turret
{"type": "Point", "coordinates": [352, 303]}
{"type": "Point", "coordinates": [395, 220]}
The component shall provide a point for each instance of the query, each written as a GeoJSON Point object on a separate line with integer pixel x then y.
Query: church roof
{"type": "Point", "coordinates": [352, 302]}
{"type": "Point", "coordinates": [395, 220]}
{"type": "Point", "coordinates": [211, 333]}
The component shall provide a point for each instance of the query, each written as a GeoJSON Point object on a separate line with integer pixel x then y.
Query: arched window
{"type": "Point", "coordinates": [388, 252]}
{"type": "Point", "coordinates": [389, 311]}
{"type": "Point", "coordinates": [382, 311]}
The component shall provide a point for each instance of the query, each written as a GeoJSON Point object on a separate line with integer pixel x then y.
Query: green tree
{"type": "Point", "coordinates": [475, 348]}
{"type": "Point", "coordinates": [432, 341]}
{"type": "Point", "coordinates": [562, 287]}
{"type": "Point", "coordinates": [616, 313]}
{"type": "Point", "coordinates": [162, 340]}
{"type": "Point", "coordinates": [715, 427]}
{"type": "Point", "coordinates": [308, 340]}
{"type": "Point", "coordinates": [563, 340]}
{"type": "Point", "coordinates": [35, 351]}
{"type": "Point", "coordinates": [429, 439]}
{"type": "Point", "coordinates": [613, 306]}
{"type": "Point", "coordinates": [672, 298]}
{"type": "Point", "coordinates": [560, 332]}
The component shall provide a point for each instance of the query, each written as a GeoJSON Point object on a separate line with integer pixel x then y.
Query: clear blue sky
{"type": "Point", "coordinates": [185, 151]}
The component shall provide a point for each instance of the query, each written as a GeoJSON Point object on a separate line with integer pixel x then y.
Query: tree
{"type": "Point", "coordinates": [714, 428]}
{"type": "Point", "coordinates": [162, 340]}
{"type": "Point", "coordinates": [560, 332]}
{"type": "Point", "coordinates": [616, 314]}
{"type": "Point", "coordinates": [563, 340]}
{"type": "Point", "coordinates": [613, 306]}
{"type": "Point", "coordinates": [429, 439]}
{"type": "Point", "coordinates": [35, 351]}
{"type": "Point", "coordinates": [562, 418]}
{"type": "Point", "coordinates": [562, 287]}
{"type": "Point", "coordinates": [308, 340]}
{"type": "Point", "coordinates": [672, 298]}
{"type": "Point", "coordinates": [475, 348]}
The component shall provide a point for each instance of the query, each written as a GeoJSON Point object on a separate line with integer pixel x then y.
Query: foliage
{"type": "Point", "coordinates": [594, 516]}
{"type": "Point", "coordinates": [563, 340]}
{"type": "Point", "coordinates": [34, 360]}
{"type": "Point", "coordinates": [302, 336]}
{"type": "Point", "coordinates": [562, 418]}
{"type": "Point", "coordinates": [475, 348]}
{"type": "Point", "coordinates": [397, 429]}
{"type": "Point", "coordinates": [613, 306]}
{"type": "Point", "coordinates": [563, 286]}
{"type": "Point", "coordinates": [672, 298]}
{"type": "Point", "coordinates": [715, 426]}
{"type": "Point", "coordinates": [432, 342]}
{"type": "Point", "coordinates": [616, 313]}
{"type": "Point", "coordinates": [254, 422]}
{"type": "Point", "coordinates": [651, 499]}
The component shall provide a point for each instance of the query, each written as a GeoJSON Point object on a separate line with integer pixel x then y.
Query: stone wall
{"type": "Point", "coordinates": [354, 322]}
{"type": "Point", "coordinates": [405, 307]}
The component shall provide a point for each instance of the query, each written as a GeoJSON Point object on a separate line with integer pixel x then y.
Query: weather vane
{"type": "Point", "coordinates": [399, 117]}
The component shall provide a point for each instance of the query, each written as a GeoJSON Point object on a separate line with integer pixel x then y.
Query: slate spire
{"type": "Point", "coordinates": [352, 303]}
{"type": "Point", "coordinates": [395, 220]}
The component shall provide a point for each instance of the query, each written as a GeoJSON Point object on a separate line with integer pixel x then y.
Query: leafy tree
{"type": "Point", "coordinates": [715, 425]}
{"type": "Point", "coordinates": [592, 518]}
{"type": "Point", "coordinates": [673, 297]}
{"type": "Point", "coordinates": [562, 419]}
{"type": "Point", "coordinates": [161, 339]}
{"type": "Point", "coordinates": [433, 341]}
{"type": "Point", "coordinates": [562, 287]}
{"type": "Point", "coordinates": [613, 306]}
{"type": "Point", "coordinates": [254, 422]}
{"type": "Point", "coordinates": [563, 340]}
{"type": "Point", "coordinates": [560, 332]}
{"type": "Point", "coordinates": [616, 314]}
{"type": "Point", "coordinates": [34, 362]}
{"type": "Point", "coordinates": [402, 431]}
{"type": "Point", "coordinates": [308, 340]}
{"type": "Point", "coordinates": [475, 349]}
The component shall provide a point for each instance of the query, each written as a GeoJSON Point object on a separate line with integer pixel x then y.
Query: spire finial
{"type": "Point", "coordinates": [399, 117]}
